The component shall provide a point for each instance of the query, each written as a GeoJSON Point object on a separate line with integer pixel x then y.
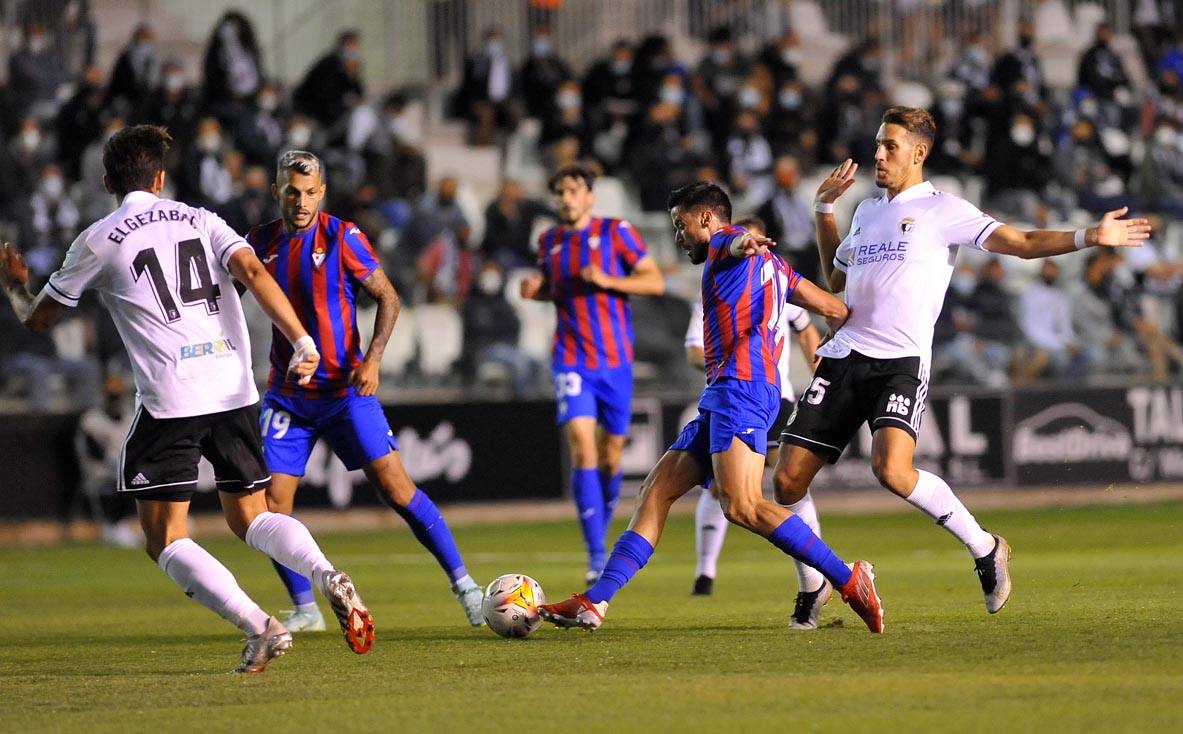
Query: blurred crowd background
{"type": "Point", "coordinates": [1049, 114]}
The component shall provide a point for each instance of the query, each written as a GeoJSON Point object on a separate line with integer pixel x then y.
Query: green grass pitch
{"type": "Point", "coordinates": [94, 639]}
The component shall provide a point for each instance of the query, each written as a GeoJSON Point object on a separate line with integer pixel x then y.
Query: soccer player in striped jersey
{"type": "Point", "coordinates": [589, 268]}
{"type": "Point", "coordinates": [744, 288]}
{"type": "Point", "coordinates": [321, 262]}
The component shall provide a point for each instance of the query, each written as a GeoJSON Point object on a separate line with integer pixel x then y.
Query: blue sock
{"type": "Point", "coordinates": [589, 500]}
{"type": "Point", "coordinates": [299, 587]}
{"type": "Point", "coordinates": [610, 489]}
{"type": "Point", "coordinates": [795, 538]}
{"type": "Point", "coordinates": [629, 555]}
{"type": "Point", "coordinates": [432, 531]}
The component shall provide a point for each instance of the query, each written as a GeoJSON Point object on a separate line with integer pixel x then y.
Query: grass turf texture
{"type": "Point", "coordinates": [99, 639]}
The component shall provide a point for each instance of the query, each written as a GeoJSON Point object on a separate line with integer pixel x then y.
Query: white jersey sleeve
{"type": "Point", "coordinates": [796, 317]}
{"type": "Point", "coordinates": [961, 223]}
{"type": "Point", "coordinates": [80, 271]}
{"type": "Point", "coordinates": [694, 335]}
{"type": "Point", "coordinates": [223, 240]}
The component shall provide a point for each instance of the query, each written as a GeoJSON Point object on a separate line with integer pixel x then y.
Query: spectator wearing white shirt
{"type": "Point", "coordinates": [1045, 315]}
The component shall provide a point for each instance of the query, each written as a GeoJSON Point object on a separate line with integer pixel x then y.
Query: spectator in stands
{"type": "Point", "coordinates": [662, 156]}
{"type": "Point", "coordinates": [509, 221]}
{"type": "Point", "coordinates": [50, 224]}
{"type": "Point", "coordinates": [782, 58]}
{"type": "Point", "coordinates": [1017, 169]}
{"type": "Point", "coordinates": [955, 350]}
{"type": "Point", "coordinates": [435, 212]}
{"type": "Point", "coordinates": [608, 94]}
{"type": "Point", "coordinates": [864, 62]}
{"type": "Point", "coordinates": [491, 333]}
{"type": "Point", "coordinates": [27, 154]}
{"type": "Point", "coordinates": [1159, 179]}
{"type": "Point", "coordinates": [486, 95]}
{"type": "Point", "coordinates": [232, 71]}
{"type": "Point", "coordinates": [999, 340]}
{"type": "Point", "coordinates": [564, 117]}
{"type": "Point", "coordinates": [654, 62]}
{"type": "Point", "coordinates": [972, 67]}
{"type": "Point", "coordinates": [94, 201]}
{"type": "Point", "coordinates": [255, 204]}
{"type": "Point", "coordinates": [1045, 314]}
{"type": "Point", "coordinates": [1151, 30]}
{"type": "Point", "coordinates": [791, 127]}
{"type": "Point", "coordinates": [1022, 65]}
{"type": "Point", "coordinates": [1101, 70]}
{"type": "Point", "coordinates": [33, 359]}
{"type": "Point", "coordinates": [750, 160]}
{"type": "Point", "coordinates": [302, 134]}
{"type": "Point", "coordinates": [1084, 167]}
{"type": "Point", "coordinates": [447, 267]}
{"type": "Point", "coordinates": [716, 82]}
{"type": "Point", "coordinates": [102, 431]}
{"type": "Point", "coordinates": [394, 164]}
{"type": "Point", "coordinates": [1126, 294]}
{"type": "Point", "coordinates": [789, 219]}
{"type": "Point", "coordinates": [542, 74]}
{"type": "Point", "coordinates": [205, 179]}
{"type": "Point", "coordinates": [80, 121]}
{"type": "Point", "coordinates": [175, 105]}
{"type": "Point", "coordinates": [35, 74]}
{"type": "Point", "coordinates": [847, 120]}
{"type": "Point", "coordinates": [136, 73]}
{"type": "Point", "coordinates": [332, 85]}
{"type": "Point", "coordinates": [1112, 349]}
{"type": "Point", "coordinates": [259, 132]}
{"type": "Point", "coordinates": [74, 38]}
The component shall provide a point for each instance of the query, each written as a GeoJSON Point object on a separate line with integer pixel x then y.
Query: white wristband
{"type": "Point", "coordinates": [823, 208]}
{"type": "Point", "coordinates": [304, 344]}
{"type": "Point", "coordinates": [1078, 239]}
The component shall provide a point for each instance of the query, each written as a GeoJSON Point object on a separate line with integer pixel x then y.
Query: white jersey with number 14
{"type": "Point", "coordinates": [161, 269]}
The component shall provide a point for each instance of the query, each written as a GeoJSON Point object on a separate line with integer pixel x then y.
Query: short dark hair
{"type": "Point", "coordinates": [913, 119]}
{"type": "Point", "coordinates": [574, 170]}
{"type": "Point", "coordinates": [700, 194]}
{"type": "Point", "coordinates": [133, 156]}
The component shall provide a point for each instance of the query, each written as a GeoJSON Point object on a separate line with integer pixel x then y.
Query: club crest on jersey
{"type": "Point", "coordinates": [318, 256]}
{"type": "Point", "coordinates": [906, 224]}
{"type": "Point", "coordinates": [594, 241]}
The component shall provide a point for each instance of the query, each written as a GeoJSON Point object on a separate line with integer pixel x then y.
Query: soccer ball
{"type": "Point", "coordinates": [511, 605]}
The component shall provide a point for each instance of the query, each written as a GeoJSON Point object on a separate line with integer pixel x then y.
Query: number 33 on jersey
{"type": "Point", "coordinates": [161, 269]}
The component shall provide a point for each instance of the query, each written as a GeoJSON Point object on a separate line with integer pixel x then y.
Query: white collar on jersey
{"type": "Point", "coordinates": [912, 192]}
{"type": "Point", "coordinates": [139, 197]}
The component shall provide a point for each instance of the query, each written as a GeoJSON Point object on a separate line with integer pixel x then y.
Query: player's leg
{"type": "Point", "coordinates": [796, 467]}
{"type": "Point", "coordinates": [586, 490]}
{"type": "Point", "coordinates": [288, 437]}
{"type": "Point", "coordinates": [710, 529]}
{"type": "Point", "coordinates": [614, 399]}
{"type": "Point", "coordinates": [234, 448]}
{"type": "Point", "coordinates": [681, 468]}
{"type": "Point", "coordinates": [892, 463]}
{"type": "Point", "coordinates": [610, 449]}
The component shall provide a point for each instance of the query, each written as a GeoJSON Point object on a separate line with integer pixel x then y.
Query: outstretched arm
{"type": "Point", "coordinates": [1111, 231]}
{"type": "Point", "coordinates": [812, 298]}
{"type": "Point", "coordinates": [245, 266]}
{"type": "Point", "coordinates": [37, 313]}
{"type": "Point", "coordinates": [828, 239]}
{"type": "Point", "coordinates": [364, 379]}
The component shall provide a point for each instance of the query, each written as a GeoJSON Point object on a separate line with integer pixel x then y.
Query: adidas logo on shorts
{"type": "Point", "coordinates": [899, 404]}
{"type": "Point", "coordinates": [139, 480]}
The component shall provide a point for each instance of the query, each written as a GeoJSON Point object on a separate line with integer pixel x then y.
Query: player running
{"type": "Point", "coordinates": [895, 265]}
{"type": "Point", "coordinates": [589, 267]}
{"type": "Point", "coordinates": [710, 525]}
{"type": "Point", "coordinates": [163, 270]}
{"type": "Point", "coordinates": [744, 288]}
{"type": "Point", "coordinates": [320, 263]}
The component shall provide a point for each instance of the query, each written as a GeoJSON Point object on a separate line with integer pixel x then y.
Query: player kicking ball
{"type": "Point", "coordinates": [320, 263]}
{"type": "Point", "coordinates": [744, 288]}
{"type": "Point", "coordinates": [895, 265]}
{"type": "Point", "coordinates": [589, 267]}
{"type": "Point", "coordinates": [163, 269]}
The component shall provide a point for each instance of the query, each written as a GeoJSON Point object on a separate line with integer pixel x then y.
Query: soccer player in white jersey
{"type": "Point", "coordinates": [163, 269]}
{"type": "Point", "coordinates": [895, 265]}
{"type": "Point", "coordinates": [710, 524]}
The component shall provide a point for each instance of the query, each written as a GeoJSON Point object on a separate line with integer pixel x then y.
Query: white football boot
{"type": "Point", "coordinates": [352, 614]}
{"type": "Point", "coordinates": [471, 598]}
{"type": "Point", "coordinates": [262, 649]}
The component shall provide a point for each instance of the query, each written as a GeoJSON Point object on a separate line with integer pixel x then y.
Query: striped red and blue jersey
{"type": "Point", "coordinates": [595, 327]}
{"type": "Point", "coordinates": [741, 301]}
{"type": "Point", "coordinates": [320, 271]}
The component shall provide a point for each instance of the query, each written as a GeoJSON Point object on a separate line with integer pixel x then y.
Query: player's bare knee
{"type": "Point", "coordinates": [740, 512]}
{"type": "Point", "coordinates": [894, 476]}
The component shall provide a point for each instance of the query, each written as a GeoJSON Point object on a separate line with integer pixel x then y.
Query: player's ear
{"type": "Point", "coordinates": [158, 182]}
{"type": "Point", "coordinates": [107, 184]}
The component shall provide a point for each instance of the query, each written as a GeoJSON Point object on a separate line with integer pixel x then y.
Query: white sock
{"type": "Point", "coordinates": [287, 540]}
{"type": "Point", "coordinates": [932, 496]}
{"type": "Point", "coordinates": [210, 584]}
{"type": "Point", "coordinates": [710, 529]}
{"type": "Point", "coordinates": [808, 577]}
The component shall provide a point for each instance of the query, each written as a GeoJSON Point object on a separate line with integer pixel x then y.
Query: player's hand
{"type": "Point", "coordinates": [13, 270]}
{"type": "Point", "coordinates": [833, 323]}
{"type": "Point", "coordinates": [304, 361]}
{"type": "Point", "coordinates": [836, 184]}
{"type": "Point", "coordinates": [1116, 232]}
{"type": "Point", "coordinates": [751, 244]}
{"type": "Point", "coordinates": [530, 286]}
{"type": "Point", "coordinates": [364, 379]}
{"type": "Point", "coordinates": [594, 275]}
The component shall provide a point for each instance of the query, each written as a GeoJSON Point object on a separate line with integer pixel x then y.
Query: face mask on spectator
{"type": "Point", "coordinates": [790, 57]}
{"type": "Point", "coordinates": [268, 102]}
{"type": "Point", "coordinates": [962, 284]}
{"type": "Point", "coordinates": [490, 282]}
{"type": "Point", "coordinates": [349, 53]}
{"type": "Point", "coordinates": [621, 66]}
{"type": "Point", "coordinates": [494, 47]}
{"type": "Point", "coordinates": [299, 135]}
{"type": "Point", "coordinates": [672, 94]}
{"type": "Point", "coordinates": [976, 54]}
{"type": "Point", "coordinates": [52, 186]}
{"type": "Point", "coordinates": [951, 107]}
{"type": "Point", "coordinates": [30, 140]}
{"type": "Point", "coordinates": [1089, 107]}
{"type": "Point", "coordinates": [209, 142]}
{"type": "Point", "coordinates": [790, 99]}
{"type": "Point", "coordinates": [721, 55]}
{"type": "Point", "coordinates": [543, 46]}
{"type": "Point", "coordinates": [1164, 136]}
{"type": "Point", "coordinates": [749, 97]}
{"type": "Point", "coordinates": [142, 48]}
{"type": "Point", "coordinates": [1022, 135]}
{"type": "Point", "coordinates": [568, 100]}
{"type": "Point", "coordinates": [174, 83]}
{"type": "Point", "coordinates": [38, 43]}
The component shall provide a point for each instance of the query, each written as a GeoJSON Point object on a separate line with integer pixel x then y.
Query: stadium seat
{"type": "Point", "coordinates": [401, 348]}
{"type": "Point", "coordinates": [439, 335]}
{"type": "Point", "coordinates": [537, 318]}
{"type": "Point", "coordinates": [948, 184]}
{"type": "Point", "coordinates": [1088, 17]}
{"type": "Point", "coordinates": [612, 199]}
{"type": "Point", "coordinates": [1053, 23]}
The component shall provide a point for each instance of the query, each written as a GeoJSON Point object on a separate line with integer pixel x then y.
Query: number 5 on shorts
{"type": "Point", "coordinates": [817, 391]}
